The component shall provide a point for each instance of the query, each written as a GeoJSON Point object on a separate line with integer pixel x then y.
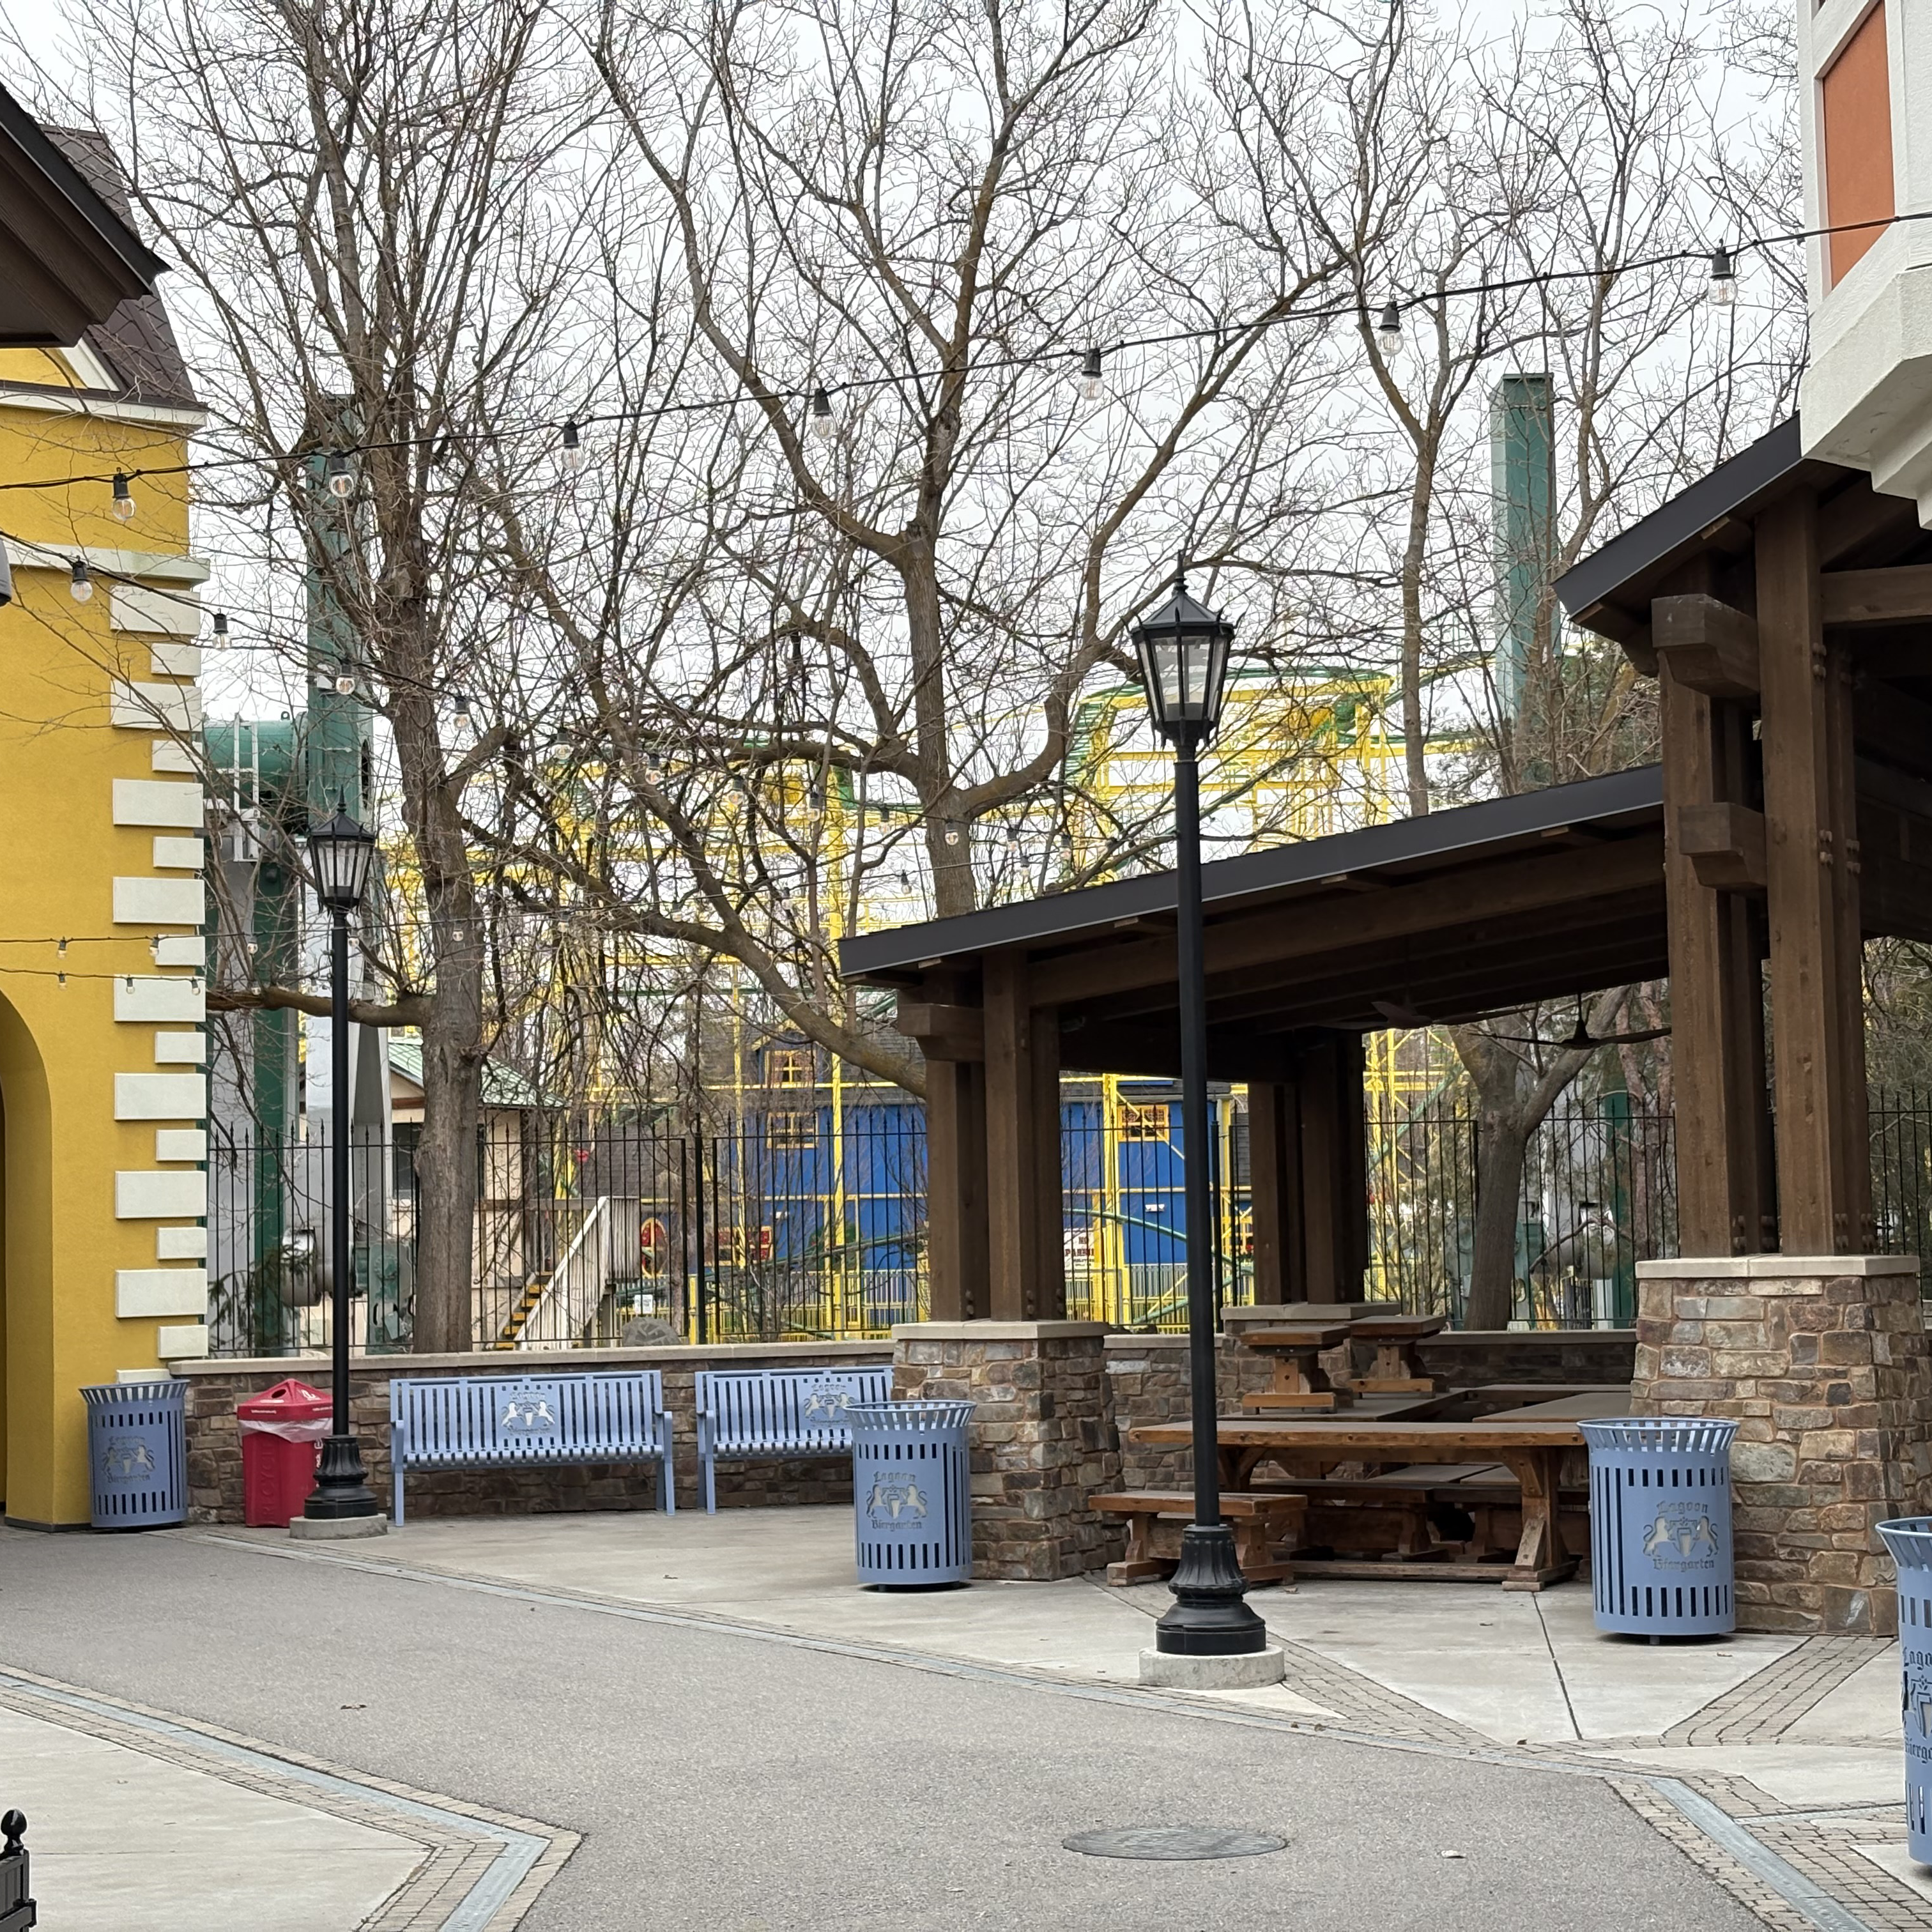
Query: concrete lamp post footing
{"type": "Point", "coordinates": [1249, 1670]}
{"type": "Point", "coordinates": [334, 1529]}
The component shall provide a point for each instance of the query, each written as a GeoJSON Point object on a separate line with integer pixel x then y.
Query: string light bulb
{"type": "Point", "coordinates": [123, 503]}
{"type": "Point", "coordinates": [1723, 291]}
{"type": "Point", "coordinates": [339, 477]}
{"type": "Point", "coordinates": [573, 449]}
{"type": "Point", "coordinates": [822, 424]}
{"type": "Point", "coordinates": [1091, 383]}
{"type": "Point", "coordinates": [463, 708]}
{"type": "Point", "coordinates": [221, 630]}
{"type": "Point", "coordinates": [80, 587]}
{"type": "Point", "coordinates": [1389, 329]}
{"type": "Point", "coordinates": [345, 684]}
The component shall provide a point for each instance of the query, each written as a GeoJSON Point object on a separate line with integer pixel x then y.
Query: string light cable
{"type": "Point", "coordinates": [818, 396]}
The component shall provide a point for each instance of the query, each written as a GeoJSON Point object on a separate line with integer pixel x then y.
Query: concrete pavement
{"type": "Point", "coordinates": [744, 1740]}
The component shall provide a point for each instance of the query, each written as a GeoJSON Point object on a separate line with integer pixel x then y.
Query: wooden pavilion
{"type": "Point", "coordinates": [1785, 609]}
{"type": "Point", "coordinates": [1795, 678]}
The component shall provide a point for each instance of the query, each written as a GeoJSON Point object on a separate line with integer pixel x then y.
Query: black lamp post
{"type": "Point", "coordinates": [340, 854]}
{"type": "Point", "coordinates": [1184, 652]}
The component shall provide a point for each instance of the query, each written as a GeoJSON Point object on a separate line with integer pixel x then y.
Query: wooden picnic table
{"type": "Point", "coordinates": [1300, 1381]}
{"type": "Point", "coordinates": [1531, 1450]}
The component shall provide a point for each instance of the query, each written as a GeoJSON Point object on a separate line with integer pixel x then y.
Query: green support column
{"type": "Point", "coordinates": [1523, 464]}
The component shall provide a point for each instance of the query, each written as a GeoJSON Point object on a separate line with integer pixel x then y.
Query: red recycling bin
{"type": "Point", "coordinates": [282, 1433]}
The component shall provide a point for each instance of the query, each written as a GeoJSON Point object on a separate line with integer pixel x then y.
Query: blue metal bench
{"type": "Point", "coordinates": [503, 1422]}
{"type": "Point", "coordinates": [771, 1415]}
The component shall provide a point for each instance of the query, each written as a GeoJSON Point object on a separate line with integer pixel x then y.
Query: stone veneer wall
{"type": "Point", "coordinates": [1145, 1381]}
{"type": "Point", "coordinates": [1823, 1364]}
{"type": "Point", "coordinates": [214, 1444]}
{"type": "Point", "coordinates": [1043, 1437]}
{"type": "Point", "coordinates": [1148, 1375]}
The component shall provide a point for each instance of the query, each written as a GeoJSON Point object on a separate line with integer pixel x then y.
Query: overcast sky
{"type": "Point", "coordinates": [45, 25]}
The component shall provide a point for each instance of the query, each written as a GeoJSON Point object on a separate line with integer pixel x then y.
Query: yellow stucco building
{"type": "Point", "coordinates": [103, 1090]}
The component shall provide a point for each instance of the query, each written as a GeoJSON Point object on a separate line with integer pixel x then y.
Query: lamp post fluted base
{"type": "Point", "coordinates": [1210, 1615]}
{"type": "Point", "coordinates": [341, 1485]}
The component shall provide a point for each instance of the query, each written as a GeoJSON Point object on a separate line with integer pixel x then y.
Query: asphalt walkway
{"type": "Point", "coordinates": [740, 1739]}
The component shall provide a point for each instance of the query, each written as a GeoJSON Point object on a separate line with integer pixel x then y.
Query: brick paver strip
{"type": "Point", "coordinates": [1762, 1708]}
{"type": "Point", "coordinates": [453, 1862]}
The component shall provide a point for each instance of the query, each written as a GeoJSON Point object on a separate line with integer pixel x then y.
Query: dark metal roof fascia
{"type": "Point", "coordinates": [1636, 793]}
{"type": "Point", "coordinates": [1750, 473]}
{"type": "Point", "coordinates": [119, 256]}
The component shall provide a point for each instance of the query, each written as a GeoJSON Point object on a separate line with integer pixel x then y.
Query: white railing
{"type": "Point", "coordinates": [604, 1250]}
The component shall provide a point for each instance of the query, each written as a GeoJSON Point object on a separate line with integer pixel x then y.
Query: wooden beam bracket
{"type": "Point", "coordinates": [1710, 646]}
{"type": "Point", "coordinates": [943, 1032]}
{"type": "Point", "coordinates": [1725, 845]}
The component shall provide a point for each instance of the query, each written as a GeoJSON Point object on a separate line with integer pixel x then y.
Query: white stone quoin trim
{"type": "Point", "coordinates": [160, 1194]}
{"type": "Point", "coordinates": [181, 1344]}
{"type": "Point", "coordinates": [161, 1096]}
{"type": "Point", "coordinates": [152, 801]}
{"type": "Point", "coordinates": [177, 854]}
{"type": "Point", "coordinates": [144, 901]}
{"type": "Point", "coordinates": [145, 1293]}
{"type": "Point", "coordinates": [141, 998]}
{"type": "Point", "coordinates": [152, 707]}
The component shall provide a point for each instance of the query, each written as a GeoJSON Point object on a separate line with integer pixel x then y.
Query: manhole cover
{"type": "Point", "coordinates": [1174, 1841]}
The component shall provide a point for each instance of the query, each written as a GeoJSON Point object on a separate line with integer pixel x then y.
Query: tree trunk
{"type": "Point", "coordinates": [446, 1175]}
{"type": "Point", "coordinates": [1501, 1151]}
{"type": "Point", "coordinates": [452, 1037]}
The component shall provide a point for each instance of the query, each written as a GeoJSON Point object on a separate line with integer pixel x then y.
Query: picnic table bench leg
{"type": "Point", "coordinates": [1539, 1554]}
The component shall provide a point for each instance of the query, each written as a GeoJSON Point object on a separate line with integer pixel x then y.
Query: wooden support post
{"type": "Point", "coordinates": [1273, 1175]}
{"type": "Point", "coordinates": [955, 1190]}
{"type": "Point", "coordinates": [1824, 1174]}
{"type": "Point", "coordinates": [1025, 1268]}
{"type": "Point", "coordinates": [1333, 1194]}
{"type": "Point", "coordinates": [1716, 1001]}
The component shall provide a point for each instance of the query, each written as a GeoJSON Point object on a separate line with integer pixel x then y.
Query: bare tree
{"type": "Point", "coordinates": [837, 635]}
{"type": "Point", "coordinates": [372, 205]}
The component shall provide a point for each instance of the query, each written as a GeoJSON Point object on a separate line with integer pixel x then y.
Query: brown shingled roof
{"type": "Point", "coordinates": [136, 343]}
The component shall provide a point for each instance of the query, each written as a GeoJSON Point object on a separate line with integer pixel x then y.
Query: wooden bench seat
{"type": "Point", "coordinates": [1156, 1518]}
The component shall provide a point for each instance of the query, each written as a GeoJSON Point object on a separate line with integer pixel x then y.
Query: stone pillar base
{"type": "Point", "coordinates": [1822, 1363]}
{"type": "Point", "coordinates": [1043, 1437]}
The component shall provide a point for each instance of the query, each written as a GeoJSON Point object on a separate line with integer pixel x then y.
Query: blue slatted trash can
{"type": "Point", "coordinates": [912, 1492]}
{"type": "Point", "coordinates": [137, 1450]}
{"type": "Point", "coordinates": [1910, 1541]}
{"type": "Point", "coordinates": [1660, 1559]}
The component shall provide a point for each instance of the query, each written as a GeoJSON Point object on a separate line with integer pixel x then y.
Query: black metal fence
{"type": "Point", "coordinates": [811, 1222]}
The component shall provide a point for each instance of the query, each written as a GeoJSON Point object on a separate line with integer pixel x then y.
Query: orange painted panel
{"type": "Point", "coordinates": [1856, 111]}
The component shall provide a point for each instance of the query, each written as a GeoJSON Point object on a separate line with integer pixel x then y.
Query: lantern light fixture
{"type": "Point", "coordinates": [340, 853]}
{"type": "Point", "coordinates": [1183, 648]}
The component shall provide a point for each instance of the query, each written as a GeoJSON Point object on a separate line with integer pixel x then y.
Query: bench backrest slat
{"type": "Point", "coordinates": [761, 1410]}
{"type": "Point", "coordinates": [496, 1419]}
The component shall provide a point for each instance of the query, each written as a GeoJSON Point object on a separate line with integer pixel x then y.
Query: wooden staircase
{"type": "Point", "coordinates": [513, 1327]}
